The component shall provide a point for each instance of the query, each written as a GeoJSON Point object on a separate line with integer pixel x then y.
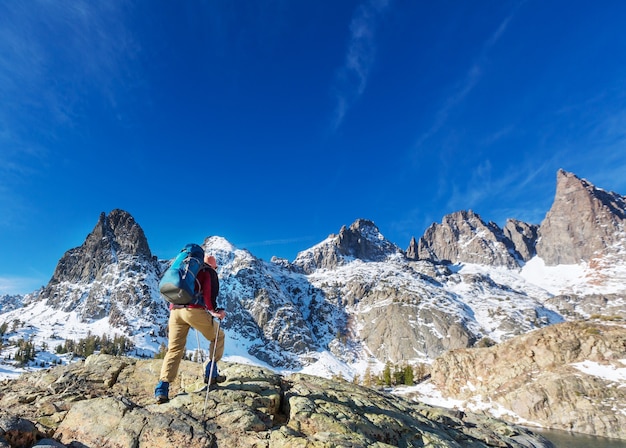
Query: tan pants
{"type": "Point", "coordinates": [178, 326]}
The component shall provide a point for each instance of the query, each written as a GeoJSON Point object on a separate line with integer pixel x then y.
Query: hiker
{"type": "Point", "coordinates": [200, 317]}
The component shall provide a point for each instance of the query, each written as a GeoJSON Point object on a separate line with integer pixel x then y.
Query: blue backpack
{"type": "Point", "coordinates": [178, 285]}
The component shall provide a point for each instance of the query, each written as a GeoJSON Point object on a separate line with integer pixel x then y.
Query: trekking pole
{"type": "Point", "coordinates": [208, 385]}
{"type": "Point", "coordinates": [200, 354]}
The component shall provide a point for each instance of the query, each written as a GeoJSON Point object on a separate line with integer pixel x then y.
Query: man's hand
{"type": "Point", "coordinates": [218, 313]}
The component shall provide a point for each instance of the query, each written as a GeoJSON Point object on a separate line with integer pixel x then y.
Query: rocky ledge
{"type": "Point", "coordinates": [565, 376]}
{"type": "Point", "coordinates": [107, 401]}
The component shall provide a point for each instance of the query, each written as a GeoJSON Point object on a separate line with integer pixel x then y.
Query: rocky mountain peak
{"type": "Point", "coordinates": [464, 237]}
{"type": "Point", "coordinates": [582, 222]}
{"type": "Point", "coordinates": [113, 236]}
{"type": "Point", "coordinates": [362, 240]}
{"type": "Point", "coordinates": [89, 278]}
{"type": "Point", "coordinates": [412, 250]}
{"type": "Point", "coordinates": [125, 234]}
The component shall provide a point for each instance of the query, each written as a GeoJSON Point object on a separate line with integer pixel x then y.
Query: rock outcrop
{"type": "Point", "coordinates": [575, 307]}
{"type": "Point", "coordinates": [389, 334]}
{"type": "Point", "coordinates": [107, 402]}
{"type": "Point", "coordinates": [523, 236]}
{"type": "Point", "coordinates": [582, 222]}
{"type": "Point", "coordinates": [464, 237]}
{"type": "Point", "coordinates": [10, 302]}
{"type": "Point", "coordinates": [552, 376]}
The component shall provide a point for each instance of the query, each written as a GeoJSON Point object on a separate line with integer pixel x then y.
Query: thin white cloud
{"type": "Point", "coordinates": [469, 81]}
{"type": "Point", "coordinates": [351, 78]}
{"type": "Point", "coordinates": [458, 95]}
{"type": "Point", "coordinates": [19, 285]}
{"type": "Point", "coordinates": [497, 135]}
{"type": "Point", "coordinates": [52, 56]}
{"type": "Point", "coordinates": [606, 147]}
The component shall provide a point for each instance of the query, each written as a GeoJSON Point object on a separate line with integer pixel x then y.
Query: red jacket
{"type": "Point", "coordinates": [210, 287]}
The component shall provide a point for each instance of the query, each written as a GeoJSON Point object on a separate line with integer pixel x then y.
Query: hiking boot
{"type": "Point", "coordinates": [214, 377]}
{"type": "Point", "coordinates": [161, 392]}
{"type": "Point", "coordinates": [217, 379]}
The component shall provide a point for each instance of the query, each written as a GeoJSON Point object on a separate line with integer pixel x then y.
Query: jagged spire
{"type": "Point", "coordinates": [582, 222]}
{"type": "Point", "coordinates": [87, 277]}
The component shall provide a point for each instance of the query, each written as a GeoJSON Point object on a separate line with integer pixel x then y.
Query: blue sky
{"type": "Point", "coordinates": [274, 123]}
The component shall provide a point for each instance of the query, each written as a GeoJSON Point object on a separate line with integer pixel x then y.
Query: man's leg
{"type": "Point", "coordinates": [177, 336]}
{"type": "Point", "coordinates": [204, 323]}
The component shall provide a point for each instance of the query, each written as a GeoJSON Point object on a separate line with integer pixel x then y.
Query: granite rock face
{"type": "Point", "coordinates": [583, 222]}
{"type": "Point", "coordinates": [548, 376]}
{"type": "Point", "coordinates": [523, 236]}
{"type": "Point", "coordinates": [107, 402]}
{"type": "Point", "coordinates": [388, 332]}
{"type": "Point", "coordinates": [464, 237]}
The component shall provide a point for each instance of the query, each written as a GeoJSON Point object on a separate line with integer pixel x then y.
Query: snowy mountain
{"type": "Point", "coordinates": [10, 302]}
{"type": "Point", "coordinates": [353, 301]}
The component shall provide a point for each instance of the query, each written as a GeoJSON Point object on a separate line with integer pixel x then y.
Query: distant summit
{"type": "Point", "coordinates": [116, 236]}
{"type": "Point", "coordinates": [583, 221]}
{"type": "Point", "coordinates": [362, 241]}
{"type": "Point", "coordinates": [464, 237]}
{"type": "Point", "coordinates": [523, 236]}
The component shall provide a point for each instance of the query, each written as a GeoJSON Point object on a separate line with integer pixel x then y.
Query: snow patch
{"type": "Point", "coordinates": [605, 371]}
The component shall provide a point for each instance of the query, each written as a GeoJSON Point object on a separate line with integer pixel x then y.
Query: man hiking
{"type": "Point", "coordinates": [200, 317]}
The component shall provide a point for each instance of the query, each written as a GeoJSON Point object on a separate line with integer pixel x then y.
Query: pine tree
{"type": "Point", "coordinates": [408, 375]}
{"type": "Point", "coordinates": [25, 352]}
{"type": "Point", "coordinates": [398, 375]}
{"type": "Point", "coordinates": [16, 324]}
{"type": "Point", "coordinates": [387, 374]}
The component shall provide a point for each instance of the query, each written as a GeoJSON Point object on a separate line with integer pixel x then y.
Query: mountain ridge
{"type": "Point", "coordinates": [337, 288]}
{"type": "Point", "coordinates": [355, 297]}
{"type": "Point", "coordinates": [600, 219]}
